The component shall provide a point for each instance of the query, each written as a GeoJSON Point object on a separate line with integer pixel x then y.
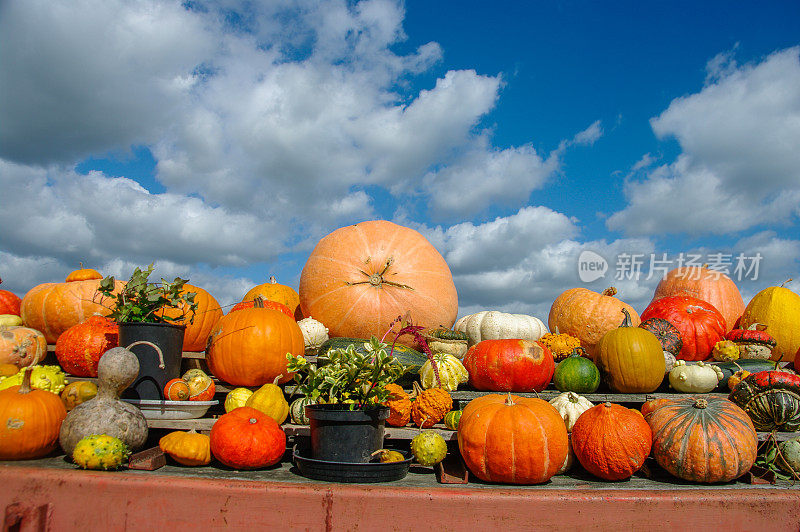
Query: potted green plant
{"type": "Point", "coordinates": [346, 416]}
{"type": "Point", "coordinates": [140, 310]}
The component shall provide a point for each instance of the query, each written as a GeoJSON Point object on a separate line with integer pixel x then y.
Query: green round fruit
{"type": "Point", "coordinates": [452, 418]}
{"type": "Point", "coordinates": [576, 374]}
{"type": "Point", "coordinates": [100, 452]}
{"type": "Point", "coordinates": [429, 448]}
{"type": "Point", "coordinates": [789, 459]}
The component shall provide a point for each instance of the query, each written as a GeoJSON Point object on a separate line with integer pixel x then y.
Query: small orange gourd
{"type": "Point", "coordinates": [187, 448]}
{"type": "Point", "coordinates": [399, 404]}
{"type": "Point", "coordinates": [430, 406]}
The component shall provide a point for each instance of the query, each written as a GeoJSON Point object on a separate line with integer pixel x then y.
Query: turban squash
{"type": "Point", "coordinates": [360, 278]}
{"type": "Point", "coordinates": [700, 324]}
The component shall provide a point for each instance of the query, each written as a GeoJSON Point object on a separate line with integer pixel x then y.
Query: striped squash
{"type": "Point", "coordinates": [771, 399]}
{"type": "Point", "coordinates": [701, 439]}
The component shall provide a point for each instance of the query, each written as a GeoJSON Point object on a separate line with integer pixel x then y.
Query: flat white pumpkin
{"type": "Point", "coordinates": [496, 325]}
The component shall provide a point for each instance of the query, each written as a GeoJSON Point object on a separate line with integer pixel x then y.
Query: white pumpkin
{"type": "Point", "coordinates": [496, 325]}
{"type": "Point", "coordinates": [694, 378]}
{"type": "Point", "coordinates": [451, 372]}
{"type": "Point", "coordinates": [314, 333]}
{"type": "Point", "coordinates": [571, 405]}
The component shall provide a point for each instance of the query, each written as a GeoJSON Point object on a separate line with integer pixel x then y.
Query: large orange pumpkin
{"type": "Point", "coordinates": [509, 366]}
{"type": "Point", "coordinates": [9, 302]}
{"type": "Point", "coordinates": [248, 347]}
{"type": "Point", "coordinates": [21, 346]}
{"type": "Point", "coordinates": [778, 308]}
{"type": "Point", "coordinates": [55, 307]}
{"type": "Point", "coordinates": [703, 283]}
{"type": "Point", "coordinates": [516, 440]}
{"type": "Point", "coordinates": [705, 439]}
{"type": "Point", "coordinates": [359, 278]}
{"type": "Point", "coordinates": [206, 315]}
{"type": "Point", "coordinates": [588, 315]}
{"type": "Point", "coordinates": [80, 347]}
{"type": "Point", "coordinates": [611, 441]}
{"type": "Point", "coordinates": [30, 420]}
{"type": "Point", "coordinates": [274, 291]}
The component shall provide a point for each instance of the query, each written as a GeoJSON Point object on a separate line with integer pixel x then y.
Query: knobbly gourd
{"type": "Point", "coordinates": [100, 451]}
{"type": "Point", "coordinates": [399, 404]}
{"type": "Point", "coordinates": [560, 344]}
{"type": "Point", "coordinates": [725, 351]}
{"type": "Point", "coordinates": [430, 406]}
{"type": "Point", "coordinates": [47, 378]}
{"type": "Point", "coordinates": [694, 378]}
{"type": "Point", "coordinates": [106, 414]}
{"type": "Point", "coordinates": [429, 448]}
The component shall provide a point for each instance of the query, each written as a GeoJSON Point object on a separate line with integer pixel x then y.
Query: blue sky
{"type": "Point", "coordinates": [221, 140]}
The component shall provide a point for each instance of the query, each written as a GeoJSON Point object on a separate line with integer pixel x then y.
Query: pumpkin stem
{"type": "Point", "coordinates": [610, 291]}
{"type": "Point", "coordinates": [627, 321]}
{"type": "Point", "coordinates": [787, 281]}
{"type": "Point", "coordinates": [579, 352]}
{"type": "Point", "coordinates": [272, 280]}
{"type": "Point", "coordinates": [607, 404]}
{"type": "Point", "coordinates": [26, 381]}
{"type": "Point", "coordinates": [253, 421]}
{"type": "Point", "coordinates": [701, 403]}
{"type": "Point", "coordinates": [161, 364]}
{"type": "Point", "coordinates": [279, 377]}
{"type": "Point", "coordinates": [573, 397]}
{"type": "Point", "coordinates": [509, 401]}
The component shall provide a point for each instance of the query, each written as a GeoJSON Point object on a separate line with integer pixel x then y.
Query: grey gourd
{"type": "Point", "coordinates": [106, 414]}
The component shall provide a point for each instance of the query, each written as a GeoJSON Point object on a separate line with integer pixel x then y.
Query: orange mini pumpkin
{"type": "Point", "coordinates": [177, 390]}
{"type": "Point", "coordinates": [187, 448]}
{"type": "Point", "coordinates": [248, 347]}
{"type": "Point", "coordinates": [496, 442]}
{"type": "Point", "coordinates": [611, 441]}
{"type": "Point", "coordinates": [399, 404]}
{"type": "Point", "coordinates": [30, 420]}
{"type": "Point", "coordinates": [430, 406]}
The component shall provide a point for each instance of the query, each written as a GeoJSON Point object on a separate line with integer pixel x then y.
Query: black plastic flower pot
{"type": "Point", "coordinates": [341, 435]}
{"type": "Point", "coordinates": [154, 370]}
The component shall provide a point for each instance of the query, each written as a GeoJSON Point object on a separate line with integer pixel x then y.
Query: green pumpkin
{"type": "Point", "coordinates": [576, 374]}
{"type": "Point", "coordinates": [452, 418]}
{"type": "Point", "coordinates": [297, 411]}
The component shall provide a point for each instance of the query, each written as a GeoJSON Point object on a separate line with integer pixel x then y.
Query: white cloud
{"type": "Point", "coordinates": [739, 167]}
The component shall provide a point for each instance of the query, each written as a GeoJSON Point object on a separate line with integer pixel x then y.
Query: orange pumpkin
{"type": "Point", "coordinates": [30, 420]}
{"type": "Point", "coordinates": [706, 439]}
{"type": "Point", "coordinates": [708, 285]}
{"type": "Point", "coordinates": [9, 302]}
{"type": "Point", "coordinates": [509, 366]}
{"type": "Point", "coordinates": [262, 303]}
{"type": "Point", "coordinates": [399, 404]}
{"type": "Point", "coordinates": [52, 308]}
{"type": "Point", "coordinates": [588, 315]}
{"type": "Point", "coordinates": [83, 274]}
{"type": "Point", "coordinates": [611, 441]}
{"type": "Point", "coordinates": [516, 440]}
{"type": "Point", "coordinates": [21, 346]}
{"type": "Point", "coordinates": [80, 347]}
{"type": "Point", "coordinates": [274, 291]}
{"type": "Point", "coordinates": [176, 390]}
{"type": "Point", "coordinates": [360, 278]}
{"type": "Point", "coordinates": [206, 315]}
{"type": "Point", "coordinates": [246, 438]}
{"type": "Point", "coordinates": [248, 347]}
{"type": "Point", "coordinates": [430, 406]}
